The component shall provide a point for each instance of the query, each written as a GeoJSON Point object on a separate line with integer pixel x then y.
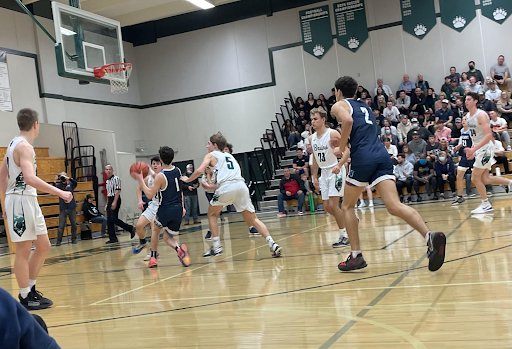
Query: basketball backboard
{"type": "Point", "coordinates": [85, 41]}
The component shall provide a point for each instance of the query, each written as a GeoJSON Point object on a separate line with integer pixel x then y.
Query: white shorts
{"type": "Point", "coordinates": [331, 184]}
{"type": "Point", "coordinates": [233, 193]}
{"type": "Point", "coordinates": [24, 216]}
{"type": "Point", "coordinates": [484, 157]}
{"type": "Point", "coordinates": [151, 211]}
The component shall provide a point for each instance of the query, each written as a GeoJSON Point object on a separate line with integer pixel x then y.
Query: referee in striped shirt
{"type": "Point", "coordinates": [113, 204]}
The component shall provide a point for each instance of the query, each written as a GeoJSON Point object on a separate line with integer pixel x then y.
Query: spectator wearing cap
{"type": "Point", "coordinates": [460, 109]}
{"type": "Point", "coordinates": [402, 129]}
{"type": "Point", "coordinates": [418, 103]}
{"type": "Point", "coordinates": [92, 214]}
{"type": "Point", "coordinates": [454, 92]}
{"type": "Point", "coordinates": [446, 86]}
{"type": "Point", "coordinates": [439, 102]}
{"type": "Point", "coordinates": [418, 145]}
{"type": "Point", "coordinates": [403, 103]}
{"type": "Point", "coordinates": [493, 93]}
{"type": "Point", "coordinates": [456, 131]}
{"type": "Point", "coordinates": [391, 112]}
{"type": "Point", "coordinates": [416, 126]}
{"type": "Point", "coordinates": [484, 104]}
{"type": "Point", "coordinates": [444, 114]}
{"type": "Point", "coordinates": [454, 75]}
{"type": "Point", "coordinates": [445, 172]}
{"type": "Point", "coordinates": [473, 86]}
{"type": "Point", "coordinates": [403, 172]}
{"type": "Point", "coordinates": [442, 131]}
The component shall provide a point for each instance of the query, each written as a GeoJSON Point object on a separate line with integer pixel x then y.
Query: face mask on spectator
{"type": "Point", "coordinates": [388, 132]}
{"type": "Point", "coordinates": [423, 161]}
{"type": "Point", "coordinates": [442, 158]}
{"type": "Point", "coordinates": [414, 125]}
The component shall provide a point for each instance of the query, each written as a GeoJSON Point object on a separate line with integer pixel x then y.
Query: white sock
{"type": "Point", "coordinates": [343, 232]}
{"type": "Point", "coordinates": [370, 202]}
{"type": "Point", "coordinates": [270, 241]}
{"type": "Point", "coordinates": [31, 283]}
{"type": "Point", "coordinates": [485, 202]}
{"type": "Point", "coordinates": [355, 253]}
{"type": "Point", "coordinates": [427, 237]}
{"type": "Point", "coordinates": [24, 292]}
{"type": "Point", "coordinates": [216, 242]}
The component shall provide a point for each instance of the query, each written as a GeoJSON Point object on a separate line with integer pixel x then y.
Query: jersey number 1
{"type": "Point", "coordinates": [229, 163]}
{"type": "Point", "coordinates": [366, 116]}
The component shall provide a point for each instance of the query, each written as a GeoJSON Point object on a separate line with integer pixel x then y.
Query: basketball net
{"type": "Point", "coordinates": [118, 74]}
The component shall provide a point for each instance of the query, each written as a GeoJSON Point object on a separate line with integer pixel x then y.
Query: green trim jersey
{"type": "Point", "coordinates": [227, 168]}
{"type": "Point", "coordinates": [16, 183]}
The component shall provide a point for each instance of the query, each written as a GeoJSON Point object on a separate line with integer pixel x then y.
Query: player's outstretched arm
{"type": "Point", "coordinates": [199, 171]}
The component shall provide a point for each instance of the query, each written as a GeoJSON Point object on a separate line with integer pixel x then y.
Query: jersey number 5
{"type": "Point", "coordinates": [366, 116]}
{"type": "Point", "coordinates": [229, 163]}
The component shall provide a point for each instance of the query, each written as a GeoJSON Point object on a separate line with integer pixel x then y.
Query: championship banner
{"type": "Point", "coordinates": [5, 88]}
{"type": "Point", "coordinates": [316, 30]}
{"type": "Point", "coordinates": [457, 14]}
{"type": "Point", "coordinates": [351, 28]}
{"type": "Point", "coordinates": [496, 10]}
{"type": "Point", "coordinates": [418, 16]}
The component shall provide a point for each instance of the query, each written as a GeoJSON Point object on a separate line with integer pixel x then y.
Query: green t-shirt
{"type": "Point", "coordinates": [454, 94]}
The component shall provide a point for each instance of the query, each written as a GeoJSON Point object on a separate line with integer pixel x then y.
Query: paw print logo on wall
{"type": "Point", "coordinates": [318, 50]}
{"type": "Point", "coordinates": [353, 43]}
{"type": "Point", "coordinates": [499, 14]}
{"type": "Point", "coordinates": [459, 22]}
{"type": "Point", "coordinates": [420, 29]}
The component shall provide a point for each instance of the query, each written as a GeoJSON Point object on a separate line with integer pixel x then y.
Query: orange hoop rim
{"type": "Point", "coordinates": [109, 68]}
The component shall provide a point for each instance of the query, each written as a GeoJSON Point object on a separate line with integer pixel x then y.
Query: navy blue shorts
{"type": "Point", "coordinates": [169, 217]}
{"type": "Point", "coordinates": [370, 174]}
{"type": "Point", "coordinates": [464, 163]}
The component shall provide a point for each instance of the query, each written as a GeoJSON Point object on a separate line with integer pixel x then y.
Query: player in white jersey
{"type": "Point", "coordinates": [482, 151]}
{"type": "Point", "coordinates": [148, 216]}
{"type": "Point", "coordinates": [19, 184]}
{"type": "Point", "coordinates": [231, 190]}
{"type": "Point", "coordinates": [331, 185]}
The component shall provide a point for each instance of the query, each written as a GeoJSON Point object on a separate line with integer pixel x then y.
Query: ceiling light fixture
{"type": "Point", "coordinates": [202, 4]}
{"type": "Point", "coordinates": [67, 32]}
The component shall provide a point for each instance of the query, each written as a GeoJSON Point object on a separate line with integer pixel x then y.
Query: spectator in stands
{"type": "Point", "coordinates": [390, 135]}
{"type": "Point", "coordinates": [301, 163]}
{"type": "Point", "coordinates": [499, 154]}
{"type": "Point", "coordinates": [409, 156]}
{"type": "Point", "coordinates": [387, 123]}
{"type": "Point", "coordinates": [473, 72]}
{"type": "Point", "coordinates": [444, 146]}
{"type": "Point", "coordinates": [291, 134]}
{"type": "Point", "coordinates": [473, 86]}
{"type": "Point", "coordinates": [403, 129]}
{"type": "Point", "coordinates": [386, 88]}
{"type": "Point", "coordinates": [325, 103]}
{"type": "Point", "coordinates": [299, 101]}
{"type": "Point", "coordinates": [455, 75]}
{"type": "Point", "coordinates": [422, 84]}
{"type": "Point", "coordinates": [446, 86]}
{"type": "Point", "coordinates": [418, 145]}
{"type": "Point", "coordinates": [391, 112]}
{"type": "Point", "coordinates": [484, 103]}
{"type": "Point", "coordinates": [500, 127]}
{"type": "Point", "coordinates": [392, 150]}
{"type": "Point", "coordinates": [407, 85]}
{"type": "Point", "coordinates": [332, 100]}
{"type": "Point", "coordinates": [445, 172]}
{"type": "Point", "coordinates": [504, 106]}
{"type": "Point", "coordinates": [416, 126]}
{"type": "Point", "coordinates": [403, 173]}
{"type": "Point", "coordinates": [301, 122]}
{"type": "Point", "coordinates": [291, 188]}
{"type": "Point", "coordinates": [430, 100]}
{"type": "Point", "coordinates": [501, 73]}
{"type": "Point", "coordinates": [66, 210]}
{"type": "Point", "coordinates": [310, 190]}
{"type": "Point", "coordinates": [424, 175]}
{"type": "Point", "coordinates": [92, 214]}
{"type": "Point", "coordinates": [369, 102]}
{"type": "Point", "coordinates": [360, 90]}
{"type": "Point", "coordinates": [493, 93]}
{"type": "Point", "coordinates": [321, 103]}
{"type": "Point", "coordinates": [432, 146]}
{"type": "Point", "coordinates": [456, 131]}
{"type": "Point", "coordinates": [442, 131]}
{"type": "Point", "coordinates": [380, 92]}
{"type": "Point", "coordinates": [403, 103]}
{"type": "Point", "coordinates": [378, 117]}
{"type": "Point", "coordinates": [460, 109]}
{"type": "Point", "coordinates": [464, 81]}
{"type": "Point", "coordinates": [310, 103]}
{"type": "Point", "coordinates": [444, 114]}
{"type": "Point", "coordinates": [439, 103]}
{"type": "Point", "coordinates": [429, 122]}
{"type": "Point", "coordinates": [454, 92]}
{"type": "Point", "coordinates": [418, 103]}
{"type": "Point", "coordinates": [381, 103]}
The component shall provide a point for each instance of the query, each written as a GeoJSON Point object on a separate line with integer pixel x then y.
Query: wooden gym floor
{"type": "Point", "coordinates": [108, 298]}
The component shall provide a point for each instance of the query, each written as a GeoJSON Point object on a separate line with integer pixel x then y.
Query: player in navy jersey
{"type": "Point", "coordinates": [171, 208]}
{"type": "Point", "coordinates": [464, 164]}
{"type": "Point", "coordinates": [371, 164]}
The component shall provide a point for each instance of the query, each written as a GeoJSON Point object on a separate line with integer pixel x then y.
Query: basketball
{"type": "Point", "coordinates": [139, 167]}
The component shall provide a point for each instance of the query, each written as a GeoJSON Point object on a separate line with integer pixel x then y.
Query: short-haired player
{"type": "Point", "coordinates": [171, 209]}
{"type": "Point", "coordinates": [371, 164]}
{"type": "Point", "coordinates": [231, 190]}
{"type": "Point", "coordinates": [464, 164]}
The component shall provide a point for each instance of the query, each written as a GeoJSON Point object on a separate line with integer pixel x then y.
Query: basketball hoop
{"type": "Point", "coordinates": [117, 73]}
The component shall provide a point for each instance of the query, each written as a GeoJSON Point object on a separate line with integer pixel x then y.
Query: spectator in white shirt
{"type": "Point", "coordinates": [493, 93]}
{"type": "Point", "coordinates": [473, 86]}
{"type": "Point", "coordinates": [499, 154]}
{"type": "Point", "coordinates": [392, 150]}
{"type": "Point", "coordinates": [402, 129]}
{"type": "Point", "coordinates": [403, 173]}
{"type": "Point", "coordinates": [391, 112]}
{"type": "Point", "coordinates": [387, 123]}
{"type": "Point", "coordinates": [386, 88]}
{"type": "Point", "coordinates": [500, 127]}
